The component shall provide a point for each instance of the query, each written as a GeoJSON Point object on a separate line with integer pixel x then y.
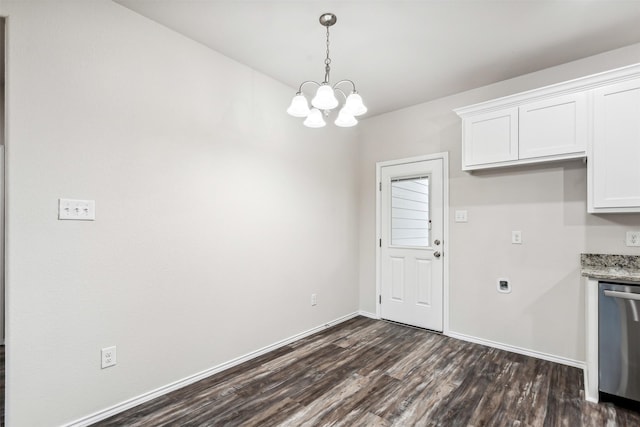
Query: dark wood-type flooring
{"type": "Point", "coordinates": [373, 373]}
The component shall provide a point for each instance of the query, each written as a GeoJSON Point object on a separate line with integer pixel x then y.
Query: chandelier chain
{"type": "Point", "coordinates": [327, 61]}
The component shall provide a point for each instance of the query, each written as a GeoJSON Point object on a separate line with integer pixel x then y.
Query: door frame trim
{"type": "Point", "coordinates": [445, 229]}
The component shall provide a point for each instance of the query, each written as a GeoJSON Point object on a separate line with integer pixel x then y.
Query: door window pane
{"type": "Point", "coordinates": [410, 211]}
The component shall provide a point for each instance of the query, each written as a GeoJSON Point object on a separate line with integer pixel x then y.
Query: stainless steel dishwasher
{"type": "Point", "coordinates": [619, 339]}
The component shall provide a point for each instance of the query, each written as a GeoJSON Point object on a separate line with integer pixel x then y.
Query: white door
{"type": "Point", "coordinates": [412, 215]}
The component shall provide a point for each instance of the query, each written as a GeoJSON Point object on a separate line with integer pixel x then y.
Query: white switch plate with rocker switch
{"type": "Point", "coordinates": [504, 286]}
{"type": "Point", "coordinates": [108, 357]}
{"type": "Point", "coordinates": [633, 238]}
{"type": "Point", "coordinates": [78, 210]}
{"type": "Point", "coordinates": [461, 216]}
{"type": "Point", "coordinates": [314, 299]}
{"type": "Point", "coordinates": [516, 237]}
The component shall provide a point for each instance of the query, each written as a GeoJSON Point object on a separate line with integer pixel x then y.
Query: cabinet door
{"type": "Point", "coordinates": [490, 138]}
{"type": "Point", "coordinates": [615, 161]}
{"type": "Point", "coordinates": [554, 127]}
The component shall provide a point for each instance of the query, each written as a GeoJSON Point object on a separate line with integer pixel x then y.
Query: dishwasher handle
{"type": "Point", "coordinates": [624, 295]}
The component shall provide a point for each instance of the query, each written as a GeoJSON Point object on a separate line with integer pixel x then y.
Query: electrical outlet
{"type": "Point", "coordinates": [633, 238]}
{"type": "Point", "coordinates": [314, 299]}
{"type": "Point", "coordinates": [108, 357]}
{"type": "Point", "coordinates": [516, 237]}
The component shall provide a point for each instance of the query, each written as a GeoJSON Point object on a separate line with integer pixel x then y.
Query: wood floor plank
{"type": "Point", "coordinates": [365, 372]}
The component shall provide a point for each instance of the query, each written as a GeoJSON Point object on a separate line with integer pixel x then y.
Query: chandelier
{"type": "Point", "coordinates": [325, 99]}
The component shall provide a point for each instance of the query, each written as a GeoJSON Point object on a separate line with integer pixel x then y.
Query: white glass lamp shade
{"type": "Point", "coordinates": [299, 106]}
{"type": "Point", "coordinates": [354, 104]}
{"type": "Point", "coordinates": [345, 119]}
{"type": "Point", "coordinates": [314, 119]}
{"type": "Point", "coordinates": [325, 99]}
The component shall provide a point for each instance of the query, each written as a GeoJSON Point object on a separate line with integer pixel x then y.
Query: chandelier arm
{"type": "Point", "coordinates": [304, 83]}
{"type": "Point", "coordinates": [353, 85]}
{"type": "Point", "coordinates": [341, 91]}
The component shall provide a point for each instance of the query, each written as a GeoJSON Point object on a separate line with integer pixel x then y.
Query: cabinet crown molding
{"type": "Point", "coordinates": [567, 87]}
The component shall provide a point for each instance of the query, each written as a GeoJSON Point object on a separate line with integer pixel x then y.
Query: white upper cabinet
{"type": "Point", "coordinates": [518, 130]}
{"type": "Point", "coordinates": [614, 161]}
{"type": "Point", "coordinates": [596, 116]}
{"type": "Point", "coordinates": [491, 137]}
{"type": "Point", "coordinates": [553, 127]}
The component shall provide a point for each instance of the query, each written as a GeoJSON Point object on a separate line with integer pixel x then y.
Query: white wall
{"type": "Point", "coordinates": [545, 311]}
{"type": "Point", "coordinates": [217, 214]}
{"type": "Point", "coordinates": [2, 40]}
{"type": "Point", "coordinates": [2, 129]}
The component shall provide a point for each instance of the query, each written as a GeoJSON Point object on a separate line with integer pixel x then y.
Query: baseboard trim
{"type": "Point", "coordinates": [368, 314]}
{"type": "Point", "coordinates": [519, 350]}
{"type": "Point", "coordinates": [128, 404]}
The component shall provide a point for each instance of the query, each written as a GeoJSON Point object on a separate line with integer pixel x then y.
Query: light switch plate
{"type": "Point", "coordinates": [461, 216]}
{"type": "Point", "coordinates": [78, 210]}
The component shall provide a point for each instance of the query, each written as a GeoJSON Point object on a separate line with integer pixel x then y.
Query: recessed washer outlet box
{"type": "Point", "coordinates": [504, 286]}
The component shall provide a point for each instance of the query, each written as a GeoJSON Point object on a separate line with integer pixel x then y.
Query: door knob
{"type": "Point", "coordinates": [436, 242]}
{"type": "Point", "coordinates": [437, 254]}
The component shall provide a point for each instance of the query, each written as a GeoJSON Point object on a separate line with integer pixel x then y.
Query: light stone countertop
{"type": "Point", "coordinates": [611, 267]}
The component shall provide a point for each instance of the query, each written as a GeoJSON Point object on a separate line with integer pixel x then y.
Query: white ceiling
{"type": "Point", "coordinates": [401, 53]}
